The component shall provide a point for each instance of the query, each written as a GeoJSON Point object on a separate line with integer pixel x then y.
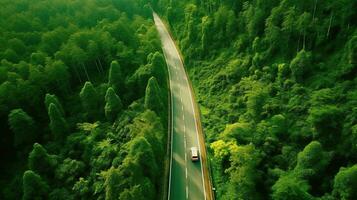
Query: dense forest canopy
{"type": "Point", "coordinates": [83, 97]}
{"type": "Point", "coordinates": [83, 100]}
{"type": "Point", "coordinates": [276, 82]}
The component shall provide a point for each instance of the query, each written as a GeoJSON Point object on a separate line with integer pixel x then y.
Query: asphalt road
{"type": "Point", "coordinates": [186, 177]}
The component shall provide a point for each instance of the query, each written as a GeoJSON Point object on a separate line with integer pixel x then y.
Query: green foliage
{"type": "Point", "coordinates": [34, 186]}
{"type": "Point", "coordinates": [300, 66]}
{"type": "Point", "coordinates": [345, 183]}
{"type": "Point", "coordinates": [155, 67]}
{"type": "Point", "coordinates": [290, 187]}
{"type": "Point", "coordinates": [90, 100]}
{"type": "Point", "coordinates": [51, 98]}
{"type": "Point", "coordinates": [277, 75]}
{"type": "Point", "coordinates": [116, 77]}
{"type": "Point", "coordinates": [55, 60]}
{"type": "Point", "coordinates": [23, 127]}
{"type": "Point", "coordinates": [58, 124]}
{"type": "Point", "coordinates": [312, 161]}
{"type": "Point", "coordinates": [113, 105]}
{"type": "Point", "coordinates": [352, 54]}
{"type": "Point", "coordinates": [69, 170]}
{"type": "Point", "coordinates": [327, 122]}
{"type": "Point", "coordinates": [241, 132]}
{"type": "Point", "coordinates": [111, 184]}
{"type": "Point", "coordinates": [40, 161]}
{"type": "Point", "coordinates": [153, 96]}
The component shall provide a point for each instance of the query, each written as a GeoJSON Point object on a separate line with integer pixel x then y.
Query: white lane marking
{"type": "Point", "coordinates": [182, 107]}
{"type": "Point", "coordinates": [186, 192]}
{"type": "Point", "coordinates": [181, 99]}
{"type": "Point", "coordinates": [186, 172]}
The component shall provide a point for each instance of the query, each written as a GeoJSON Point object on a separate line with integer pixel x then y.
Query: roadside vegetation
{"type": "Point", "coordinates": [277, 85]}
{"type": "Point", "coordinates": [83, 100]}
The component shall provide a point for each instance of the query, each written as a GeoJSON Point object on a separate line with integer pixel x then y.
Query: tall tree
{"type": "Point", "coordinates": [113, 104]}
{"type": "Point", "coordinates": [34, 187]}
{"type": "Point", "coordinates": [23, 127]}
{"type": "Point", "coordinates": [90, 100]}
{"type": "Point", "coordinates": [51, 98]}
{"type": "Point", "coordinates": [111, 184]}
{"type": "Point", "coordinates": [116, 79]}
{"type": "Point", "coordinates": [40, 161]}
{"type": "Point", "coordinates": [58, 124]}
{"type": "Point", "coordinates": [153, 96]}
{"type": "Point", "coordinates": [345, 183]}
{"type": "Point", "coordinates": [290, 187]}
{"type": "Point", "coordinates": [300, 66]}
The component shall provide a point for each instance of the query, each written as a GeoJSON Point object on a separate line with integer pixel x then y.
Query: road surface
{"type": "Point", "coordinates": [186, 178]}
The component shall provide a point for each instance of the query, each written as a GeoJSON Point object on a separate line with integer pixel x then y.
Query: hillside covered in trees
{"type": "Point", "coordinates": [83, 100]}
{"type": "Point", "coordinates": [276, 82]}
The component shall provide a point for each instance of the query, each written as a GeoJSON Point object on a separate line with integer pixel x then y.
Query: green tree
{"type": "Point", "coordinates": [40, 161]}
{"type": "Point", "coordinates": [51, 98]}
{"type": "Point", "coordinates": [153, 96]}
{"type": "Point", "coordinates": [312, 161]}
{"type": "Point", "coordinates": [90, 100]}
{"type": "Point", "coordinates": [352, 54]}
{"type": "Point", "coordinates": [58, 124]}
{"type": "Point", "coordinates": [23, 127]}
{"type": "Point", "coordinates": [243, 177]}
{"type": "Point", "coordinates": [345, 183]}
{"type": "Point", "coordinates": [159, 67]}
{"type": "Point", "coordinates": [116, 79]}
{"type": "Point", "coordinates": [34, 187]}
{"type": "Point", "coordinates": [301, 66]}
{"type": "Point", "coordinates": [69, 170]}
{"type": "Point", "coordinates": [206, 27]}
{"type": "Point", "coordinates": [290, 187]}
{"type": "Point", "coordinates": [142, 191]}
{"type": "Point", "coordinates": [327, 122]}
{"type": "Point", "coordinates": [113, 104]}
{"type": "Point", "coordinates": [57, 76]}
{"type": "Point", "coordinates": [111, 184]}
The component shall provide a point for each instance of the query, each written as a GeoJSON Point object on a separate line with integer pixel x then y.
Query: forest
{"type": "Point", "coordinates": [276, 81]}
{"type": "Point", "coordinates": [84, 97]}
{"type": "Point", "coordinates": [83, 100]}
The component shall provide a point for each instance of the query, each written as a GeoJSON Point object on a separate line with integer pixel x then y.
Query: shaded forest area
{"type": "Point", "coordinates": [83, 100]}
{"type": "Point", "coordinates": [277, 87]}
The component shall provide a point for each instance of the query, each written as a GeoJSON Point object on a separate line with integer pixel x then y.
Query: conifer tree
{"type": "Point", "coordinates": [115, 76]}
{"type": "Point", "coordinates": [112, 181]}
{"type": "Point", "coordinates": [34, 187]}
{"type": "Point", "coordinates": [153, 100]}
{"type": "Point", "coordinates": [89, 99]}
{"type": "Point", "coordinates": [58, 124]}
{"type": "Point", "coordinates": [113, 104]}
{"type": "Point", "coordinates": [23, 127]}
{"type": "Point", "coordinates": [40, 161]}
{"type": "Point", "coordinates": [51, 98]}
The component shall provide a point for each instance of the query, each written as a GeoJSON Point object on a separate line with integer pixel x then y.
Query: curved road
{"type": "Point", "coordinates": [187, 180]}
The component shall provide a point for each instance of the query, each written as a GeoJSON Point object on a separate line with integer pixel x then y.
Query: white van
{"type": "Point", "coordinates": [194, 153]}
